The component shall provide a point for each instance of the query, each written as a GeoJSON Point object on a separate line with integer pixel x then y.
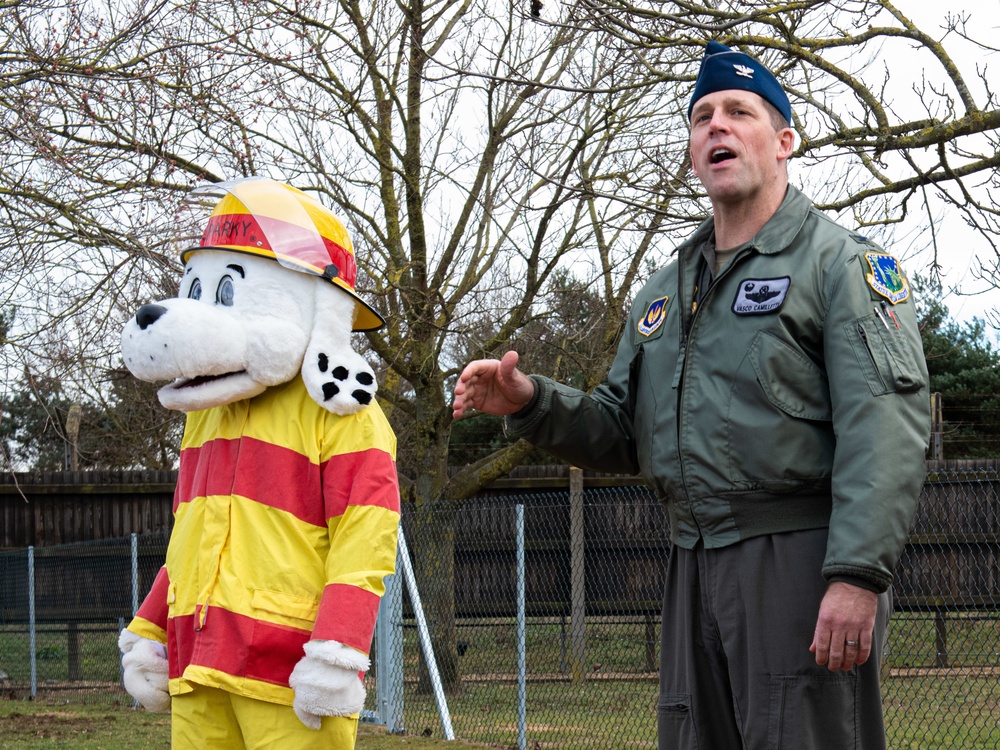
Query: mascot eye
{"type": "Point", "coordinates": [224, 294]}
{"type": "Point", "coordinates": [195, 291]}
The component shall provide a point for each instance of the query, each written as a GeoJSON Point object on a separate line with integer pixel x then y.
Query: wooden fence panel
{"type": "Point", "coordinates": [952, 560]}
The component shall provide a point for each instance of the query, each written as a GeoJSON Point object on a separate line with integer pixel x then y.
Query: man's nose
{"type": "Point", "coordinates": [718, 122]}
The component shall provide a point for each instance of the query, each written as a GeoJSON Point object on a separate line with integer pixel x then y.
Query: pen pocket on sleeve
{"type": "Point", "coordinates": [883, 355]}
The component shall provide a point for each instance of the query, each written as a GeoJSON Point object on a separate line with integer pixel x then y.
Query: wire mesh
{"type": "Point", "coordinates": [598, 688]}
{"type": "Point", "coordinates": [82, 597]}
{"type": "Point", "coordinates": [589, 681]}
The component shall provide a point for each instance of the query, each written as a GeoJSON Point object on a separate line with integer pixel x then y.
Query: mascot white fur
{"type": "Point", "coordinates": [257, 629]}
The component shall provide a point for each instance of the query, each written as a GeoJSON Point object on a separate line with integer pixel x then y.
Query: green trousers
{"type": "Point", "coordinates": [736, 672]}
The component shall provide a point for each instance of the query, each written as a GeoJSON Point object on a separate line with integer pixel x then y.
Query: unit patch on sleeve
{"type": "Point", "coordinates": [656, 313]}
{"type": "Point", "coordinates": [886, 277]}
{"type": "Point", "coordinates": [761, 296]}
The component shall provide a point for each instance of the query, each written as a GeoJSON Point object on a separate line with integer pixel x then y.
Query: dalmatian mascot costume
{"type": "Point", "coordinates": [256, 631]}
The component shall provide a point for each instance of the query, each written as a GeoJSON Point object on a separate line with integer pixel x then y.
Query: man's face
{"type": "Point", "coordinates": [735, 150]}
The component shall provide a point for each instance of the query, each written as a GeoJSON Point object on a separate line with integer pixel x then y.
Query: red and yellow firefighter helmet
{"type": "Point", "coordinates": [266, 218]}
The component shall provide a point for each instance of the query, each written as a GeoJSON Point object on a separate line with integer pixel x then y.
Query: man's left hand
{"type": "Point", "coordinates": [843, 636]}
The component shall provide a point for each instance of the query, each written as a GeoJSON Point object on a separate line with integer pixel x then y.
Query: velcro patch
{"type": "Point", "coordinates": [761, 296]}
{"type": "Point", "coordinates": [886, 277]}
{"type": "Point", "coordinates": [656, 313]}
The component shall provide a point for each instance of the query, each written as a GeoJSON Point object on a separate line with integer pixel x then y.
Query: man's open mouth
{"type": "Point", "coordinates": [720, 155]}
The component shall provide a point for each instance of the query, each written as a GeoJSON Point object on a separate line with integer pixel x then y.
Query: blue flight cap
{"type": "Point", "coordinates": [723, 68]}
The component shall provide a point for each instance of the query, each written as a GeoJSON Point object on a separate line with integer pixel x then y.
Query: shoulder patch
{"type": "Point", "coordinates": [886, 277]}
{"type": "Point", "coordinates": [761, 296]}
{"type": "Point", "coordinates": [656, 313]}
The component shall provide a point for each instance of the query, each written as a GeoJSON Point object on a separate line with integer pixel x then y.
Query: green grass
{"type": "Point", "coordinates": [595, 715]}
{"type": "Point", "coordinates": [97, 645]}
{"type": "Point", "coordinates": [971, 639]}
{"type": "Point", "coordinates": [922, 713]}
{"type": "Point", "coordinates": [948, 711]}
{"type": "Point", "coordinates": [54, 723]}
{"type": "Point", "coordinates": [928, 709]}
{"type": "Point", "coordinates": [934, 710]}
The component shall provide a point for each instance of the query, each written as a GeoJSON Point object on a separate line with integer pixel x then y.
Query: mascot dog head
{"type": "Point", "coordinates": [267, 293]}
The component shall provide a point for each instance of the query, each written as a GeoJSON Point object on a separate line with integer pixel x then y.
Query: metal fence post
{"type": "Point", "coordinates": [32, 646]}
{"type": "Point", "coordinates": [134, 555]}
{"type": "Point", "coordinates": [134, 542]}
{"type": "Point", "coordinates": [578, 596]}
{"type": "Point", "coordinates": [389, 655]}
{"type": "Point", "coordinates": [425, 637]}
{"type": "Point", "coordinates": [937, 428]}
{"type": "Point", "coordinates": [121, 667]}
{"type": "Point", "coordinates": [522, 697]}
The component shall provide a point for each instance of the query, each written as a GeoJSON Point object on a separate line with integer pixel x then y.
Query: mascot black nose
{"type": "Point", "coordinates": [149, 314]}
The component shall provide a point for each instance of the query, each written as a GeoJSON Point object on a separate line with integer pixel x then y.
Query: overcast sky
{"type": "Point", "coordinates": [958, 245]}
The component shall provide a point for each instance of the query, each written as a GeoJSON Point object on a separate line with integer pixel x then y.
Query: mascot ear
{"type": "Point", "coordinates": [336, 376]}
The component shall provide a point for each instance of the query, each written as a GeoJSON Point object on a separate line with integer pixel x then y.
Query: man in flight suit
{"type": "Point", "coordinates": [771, 388]}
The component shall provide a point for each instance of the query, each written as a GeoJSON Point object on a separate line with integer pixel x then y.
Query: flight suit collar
{"type": "Point", "coordinates": [773, 237]}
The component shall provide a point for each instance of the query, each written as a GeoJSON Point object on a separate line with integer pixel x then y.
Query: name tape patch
{"type": "Point", "coordinates": [761, 296]}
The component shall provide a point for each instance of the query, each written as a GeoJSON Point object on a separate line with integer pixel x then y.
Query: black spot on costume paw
{"type": "Point", "coordinates": [344, 382]}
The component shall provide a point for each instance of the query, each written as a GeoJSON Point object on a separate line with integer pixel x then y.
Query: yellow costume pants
{"type": "Point", "coordinates": [212, 719]}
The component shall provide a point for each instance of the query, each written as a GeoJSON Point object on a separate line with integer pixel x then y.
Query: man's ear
{"type": "Point", "coordinates": [786, 143]}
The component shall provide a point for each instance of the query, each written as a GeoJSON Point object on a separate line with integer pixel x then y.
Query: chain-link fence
{"type": "Point", "coordinates": [62, 607]}
{"type": "Point", "coordinates": [541, 612]}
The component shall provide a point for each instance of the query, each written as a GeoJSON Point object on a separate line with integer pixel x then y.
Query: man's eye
{"type": "Point", "coordinates": [224, 294]}
{"type": "Point", "coordinates": [195, 291]}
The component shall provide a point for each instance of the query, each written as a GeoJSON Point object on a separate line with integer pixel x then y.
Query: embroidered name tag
{"type": "Point", "coordinates": [760, 296]}
{"type": "Point", "coordinates": [656, 313]}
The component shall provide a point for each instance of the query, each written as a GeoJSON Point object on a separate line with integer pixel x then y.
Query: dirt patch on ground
{"type": "Point", "coordinates": [52, 725]}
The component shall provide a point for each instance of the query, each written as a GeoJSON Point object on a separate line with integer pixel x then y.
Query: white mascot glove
{"type": "Point", "coordinates": [326, 682]}
{"type": "Point", "coordinates": [145, 665]}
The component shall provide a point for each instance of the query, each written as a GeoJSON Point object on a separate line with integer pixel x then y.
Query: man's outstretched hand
{"type": "Point", "coordinates": [494, 386]}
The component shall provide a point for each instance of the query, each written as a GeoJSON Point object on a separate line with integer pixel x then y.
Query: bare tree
{"type": "Point", "coordinates": [487, 158]}
{"type": "Point", "coordinates": [881, 103]}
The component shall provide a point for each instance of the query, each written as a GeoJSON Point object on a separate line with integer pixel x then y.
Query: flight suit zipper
{"type": "Point", "coordinates": [863, 334]}
{"type": "Point", "coordinates": [688, 318]}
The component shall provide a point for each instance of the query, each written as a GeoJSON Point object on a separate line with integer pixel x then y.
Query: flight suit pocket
{"type": "Point", "coordinates": [886, 359]}
{"type": "Point", "coordinates": [812, 711]}
{"type": "Point", "coordinates": [675, 725]}
{"type": "Point", "coordinates": [791, 381]}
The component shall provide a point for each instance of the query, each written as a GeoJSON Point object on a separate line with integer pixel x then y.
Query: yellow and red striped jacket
{"type": "Point", "coordinates": [285, 524]}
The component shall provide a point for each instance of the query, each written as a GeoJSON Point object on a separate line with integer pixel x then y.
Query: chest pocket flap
{"type": "Point", "coordinates": [791, 381]}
